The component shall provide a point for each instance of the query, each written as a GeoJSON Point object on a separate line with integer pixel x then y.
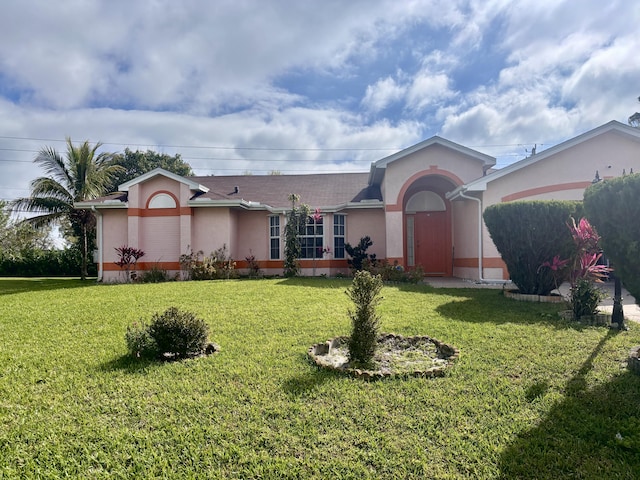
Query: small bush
{"type": "Point", "coordinates": [585, 297]}
{"type": "Point", "coordinates": [178, 332]}
{"type": "Point", "coordinates": [364, 292]}
{"type": "Point", "coordinates": [358, 254]}
{"type": "Point", "coordinates": [139, 341]}
{"type": "Point", "coordinates": [155, 275]}
{"type": "Point", "coordinates": [197, 266]}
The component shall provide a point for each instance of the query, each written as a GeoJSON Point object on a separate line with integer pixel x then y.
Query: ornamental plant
{"type": "Point", "coordinates": [127, 259]}
{"type": "Point", "coordinates": [365, 294]}
{"type": "Point", "coordinates": [582, 269]}
{"type": "Point", "coordinates": [359, 257]}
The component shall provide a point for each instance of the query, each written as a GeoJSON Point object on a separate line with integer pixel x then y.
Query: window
{"type": "Point", "coordinates": [338, 236]}
{"type": "Point", "coordinates": [274, 237]}
{"type": "Point", "coordinates": [311, 238]}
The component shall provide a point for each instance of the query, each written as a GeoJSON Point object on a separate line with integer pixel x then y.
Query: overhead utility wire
{"type": "Point", "coordinates": [219, 147]}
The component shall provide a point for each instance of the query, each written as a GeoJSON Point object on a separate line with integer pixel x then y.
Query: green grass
{"type": "Point", "coordinates": [530, 397]}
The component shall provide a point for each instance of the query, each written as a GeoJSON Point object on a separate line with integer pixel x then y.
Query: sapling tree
{"type": "Point", "coordinates": [365, 294]}
{"type": "Point", "coordinates": [296, 220]}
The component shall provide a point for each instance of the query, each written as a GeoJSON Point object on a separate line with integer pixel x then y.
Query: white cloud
{"type": "Point", "coordinates": [428, 90]}
{"type": "Point", "coordinates": [384, 93]}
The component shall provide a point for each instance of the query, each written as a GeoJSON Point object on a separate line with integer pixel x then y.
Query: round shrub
{"type": "Point", "coordinates": [178, 332]}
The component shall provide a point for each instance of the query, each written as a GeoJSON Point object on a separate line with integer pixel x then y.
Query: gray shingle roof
{"type": "Point", "coordinates": [316, 190]}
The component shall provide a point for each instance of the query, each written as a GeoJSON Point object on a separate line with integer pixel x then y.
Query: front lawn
{"type": "Point", "coordinates": [531, 396]}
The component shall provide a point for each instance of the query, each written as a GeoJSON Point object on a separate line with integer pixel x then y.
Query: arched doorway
{"type": "Point", "coordinates": [428, 228]}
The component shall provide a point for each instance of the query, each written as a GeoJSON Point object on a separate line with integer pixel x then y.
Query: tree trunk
{"type": "Point", "coordinates": [85, 247]}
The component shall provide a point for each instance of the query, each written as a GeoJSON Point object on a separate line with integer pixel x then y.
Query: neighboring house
{"type": "Point", "coordinates": [420, 206]}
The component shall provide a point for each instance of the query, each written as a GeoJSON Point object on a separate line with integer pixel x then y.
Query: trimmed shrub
{"type": "Point", "coordinates": [613, 207]}
{"type": "Point", "coordinates": [528, 234]}
{"type": "Point", "coordinates": [178, 332]}
{"type": "Point", "coordinates": [364, 292]}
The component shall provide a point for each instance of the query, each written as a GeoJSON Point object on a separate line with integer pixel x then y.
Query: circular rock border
{"type": "Point", "coordinates": [319, 354]}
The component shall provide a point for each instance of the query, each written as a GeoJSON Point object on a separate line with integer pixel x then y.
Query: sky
{"type": "Point", "coordinates": [300, 86]}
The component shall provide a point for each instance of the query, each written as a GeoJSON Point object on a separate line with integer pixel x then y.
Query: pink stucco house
{"type": "Point", "coordinates": [420, 206]}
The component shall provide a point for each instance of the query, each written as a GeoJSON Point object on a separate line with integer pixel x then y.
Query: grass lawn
{"type": "Point", "coordinates": [530, 397]}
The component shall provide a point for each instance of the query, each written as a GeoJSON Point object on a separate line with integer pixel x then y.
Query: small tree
{"type": "Point", "coordinates": [359, 254]}
{"type": "Point", "coordinates": [296, 220]}
{"type": "Point", "coordinates": [364, 292]}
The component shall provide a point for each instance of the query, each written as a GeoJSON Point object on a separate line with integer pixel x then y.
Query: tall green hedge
{"type": "Point", "coordinates": [613, 207]}
{"type": "Point", "coordinates": [529, 233]}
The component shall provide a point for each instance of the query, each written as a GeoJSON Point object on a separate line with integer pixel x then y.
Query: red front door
{"type": "Point", "coordinates": [432, 243]}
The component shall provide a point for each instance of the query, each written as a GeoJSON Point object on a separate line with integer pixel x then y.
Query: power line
{"type": "Point", "coordinates": [284, 149]}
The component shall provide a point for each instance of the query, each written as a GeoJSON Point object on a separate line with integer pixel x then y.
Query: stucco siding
{"type": "Point", "coordinates": [211, 229]}
{"type": "Point", "coordinates": [434, 159]}
{"type": "Point", "coordinates": [160, 239]}
{"type": "Point", "coordinates": [114, 233]}
{"type": "Point", "coordinates": [253, 239]}
{"type": "Point", "coordinates": [562, 175]}
{"type": "Point", "coordinates": [360, 223]}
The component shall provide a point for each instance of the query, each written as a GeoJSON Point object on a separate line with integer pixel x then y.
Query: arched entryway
{"type": "Point", "coordinates": [427, 220]}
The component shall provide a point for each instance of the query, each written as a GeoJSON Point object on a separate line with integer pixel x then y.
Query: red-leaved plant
{"type": "Point", "coordinates": [127, 259]}
{"type": "Point", "coordinates": [584, 269]}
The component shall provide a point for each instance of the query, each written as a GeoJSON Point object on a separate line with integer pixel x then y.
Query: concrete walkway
{"type": "Point", "coordinates": [630, 308]}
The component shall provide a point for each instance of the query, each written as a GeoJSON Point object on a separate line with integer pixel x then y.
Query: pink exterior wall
{"type": "Point", "coordinates": [253, 235]}
{"type": "Point", "coordinates": [114, 235]}
{"type": "Point", "coordinates": [211, 229]}
{"type": "Point", "coordinates": [363, 222]}
{"type": "Point", "coordinates": [563, 176]}
{"type": "Point", "coordinates": [461, 167]}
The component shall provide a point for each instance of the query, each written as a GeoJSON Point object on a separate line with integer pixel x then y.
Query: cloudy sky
{"type": "Point", "coordinates": [300, 86]}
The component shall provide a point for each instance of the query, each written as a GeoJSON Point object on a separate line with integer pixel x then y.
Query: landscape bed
{"type": "Point", "coordinates": [530, 396]}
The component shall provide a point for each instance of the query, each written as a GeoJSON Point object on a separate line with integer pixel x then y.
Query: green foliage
{"type": "Point", "coordinates": [154, 275]}
{"type": "Point", "coordinates": [253, 266]}
{"type": "Point", "coordinates": [137, 163]}
{"type": "Point", "coordinates": [529, 233]}
{"type": "Point", "coordinates": [140, 343]}
{"type": "Point", "coordinates": [296, 220]}
{"type": "Point", "coordinates": [218, 265]}
{"type": "Point", "coordinates": [364, 293]}
{"type": "Point", "coordinates": [530, 396]}
{"type": "Point", "coordinates": [178, 332]}
{"type": "Point", "coordinates": [82, 174]}
{"type": "Point", "coordinates": [44, 263]}
{"type": "Point", "coordinates": [393, 273]}
{"type": "Point", "coordinates": [613, 207]}
{"type": "Point", "coordinates": [585, 297]}
{"type": "Point", "coordinates": [359, 254]}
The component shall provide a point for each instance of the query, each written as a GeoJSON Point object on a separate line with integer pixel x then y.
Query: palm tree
{"type": "Point", "coordinates": [81, 175]}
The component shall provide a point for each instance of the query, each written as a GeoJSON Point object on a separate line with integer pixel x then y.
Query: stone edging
{"type": "Point", "coordinates": [524, 297]}
{"type": "Point", "coordinates": [445, 351]}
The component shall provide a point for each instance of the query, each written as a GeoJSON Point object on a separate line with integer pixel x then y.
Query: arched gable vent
{"type": "Point", "coordinates": [162, 200]}
{"type": "Point", "coordinates": [425, 202]}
